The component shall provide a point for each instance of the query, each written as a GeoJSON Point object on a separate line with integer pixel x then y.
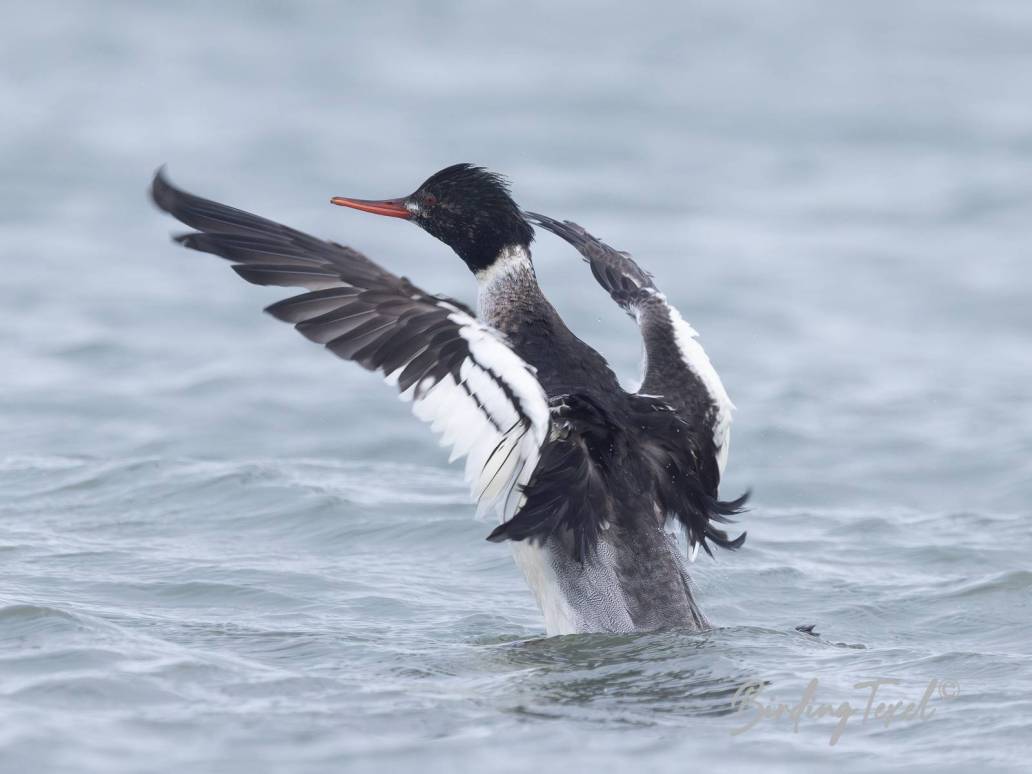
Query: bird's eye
{"type": "Point", "coordinates": [430, 200]}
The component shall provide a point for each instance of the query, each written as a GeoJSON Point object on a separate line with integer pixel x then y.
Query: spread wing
{"type": "Point", "coordinates": [677, 369]}
{"type": "Point", "coordinates": [459, 374]}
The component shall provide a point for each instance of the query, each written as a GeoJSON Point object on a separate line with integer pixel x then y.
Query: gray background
{"type": "Point", "coordinates": [220, 547]}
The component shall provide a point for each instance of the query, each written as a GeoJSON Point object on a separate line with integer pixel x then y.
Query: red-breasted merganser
{"type": "Point", "coordinates": [584, 476]}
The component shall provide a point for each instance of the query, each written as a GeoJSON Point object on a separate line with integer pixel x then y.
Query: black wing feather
{"type": "Point", "coordinates": [363, 313]}
{"type": "Point", "coordinates": [674, 408]}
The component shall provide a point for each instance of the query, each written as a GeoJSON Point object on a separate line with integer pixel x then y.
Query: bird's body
{"type": "Point", "coordinates": [637, 580]}
{"type": "Point", "coordinates": [583, 475]}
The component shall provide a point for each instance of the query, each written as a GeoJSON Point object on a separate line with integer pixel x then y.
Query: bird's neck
{"type": "Point", "coordinates": [511, 302]}
{"type": "Point", "coordinates": [507, 285]}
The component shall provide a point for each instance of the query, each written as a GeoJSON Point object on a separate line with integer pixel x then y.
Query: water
{"type": "Point", "coordinates": [222, 549]}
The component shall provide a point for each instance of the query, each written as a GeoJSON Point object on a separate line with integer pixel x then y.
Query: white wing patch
{"type": "Point", "coordinates": [698, 361]}
{"type": "Point", "coordinates": [496, 414]}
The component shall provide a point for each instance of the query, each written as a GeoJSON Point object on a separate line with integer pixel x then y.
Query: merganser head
{"type": "Point", "coordinates": [466, 207]}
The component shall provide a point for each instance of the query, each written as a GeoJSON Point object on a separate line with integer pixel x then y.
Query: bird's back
{"type": "Point", "coordinates": [512, 302]}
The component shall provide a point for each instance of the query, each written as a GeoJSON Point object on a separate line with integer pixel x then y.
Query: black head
{"type": "Point", "coordinates": [466, 207]}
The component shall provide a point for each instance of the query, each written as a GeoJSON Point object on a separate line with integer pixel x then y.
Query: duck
{"type": "Point", "coordinates": [588, 481]}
